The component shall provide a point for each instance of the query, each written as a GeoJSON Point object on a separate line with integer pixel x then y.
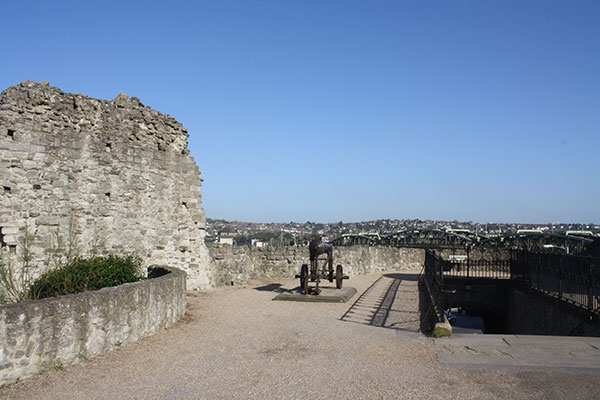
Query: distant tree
{"type": "Point", "coordinates": [288, 236]}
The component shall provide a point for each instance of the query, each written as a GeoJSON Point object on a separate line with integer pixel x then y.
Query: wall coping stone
{"type": "Point", "coordinates": [107, 290]}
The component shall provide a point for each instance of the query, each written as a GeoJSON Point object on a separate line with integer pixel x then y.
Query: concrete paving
{"type": "Point", "coordinates": [521, 352]}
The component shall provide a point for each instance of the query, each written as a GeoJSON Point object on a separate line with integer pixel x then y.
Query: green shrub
{"type": "Point", "coordinates": [82, 274]}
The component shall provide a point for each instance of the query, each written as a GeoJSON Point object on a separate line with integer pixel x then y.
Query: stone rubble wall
{"type": "Point", "coordinates": [119, 170]}
{"type": "Point", "coordinates": [236, 264]}
{"type": "Point", "coordinates": [44, 334]}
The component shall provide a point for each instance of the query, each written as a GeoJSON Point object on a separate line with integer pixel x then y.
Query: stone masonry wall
{"type": "Point", "coordinates": [532, 313]}
{"type": "Point", "coordinates": [238, 263]}
{"type": "Point", "coordinates": [119, 170]}
{"type": "Point", "coordinates": [43, 334]}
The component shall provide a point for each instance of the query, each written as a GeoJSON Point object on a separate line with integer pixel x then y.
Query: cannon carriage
{"type": "Point", "coordinates": [314, 273]}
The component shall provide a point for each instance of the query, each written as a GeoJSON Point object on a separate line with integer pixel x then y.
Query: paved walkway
{"type": "Point", "coordinates": [236, 343]}
{"type": "Point", "coordinates": [521, 352]}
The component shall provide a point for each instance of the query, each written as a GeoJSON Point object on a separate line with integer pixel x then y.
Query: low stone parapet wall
{"type": "Point", "coordinates": [43, 334]}
{"type": "Point", "coordinates": [235, 264]}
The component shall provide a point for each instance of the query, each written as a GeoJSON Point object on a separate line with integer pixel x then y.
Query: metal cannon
{"type": "Point", "coordinates": [314, 274]}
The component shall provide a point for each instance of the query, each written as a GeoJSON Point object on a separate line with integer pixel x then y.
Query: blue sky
{"type": "Point", "coordinates": [486, 111]}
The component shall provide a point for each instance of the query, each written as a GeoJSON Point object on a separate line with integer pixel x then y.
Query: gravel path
{"type": "Point", "coordinates": [237, 343]}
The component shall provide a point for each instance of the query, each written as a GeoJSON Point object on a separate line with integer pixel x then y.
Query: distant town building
{"type": "Point", "coordinates": [225, 238]}
{"type": "Point", "coordinates": [258, 243]}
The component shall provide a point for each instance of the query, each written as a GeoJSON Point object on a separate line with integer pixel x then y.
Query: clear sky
{"type": "Point", "coordinates": [477, 110]}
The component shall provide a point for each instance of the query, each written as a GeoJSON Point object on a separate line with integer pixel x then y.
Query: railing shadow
{"type": "Point", "coordinates": [404, 277]}
{"type": "Point", "coordinates": [388, 304]}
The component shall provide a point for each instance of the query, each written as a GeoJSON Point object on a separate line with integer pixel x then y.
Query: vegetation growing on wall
{"type": "Point", "coordinates": [67, 271]}
{"type": "Point", "coordinates": [83, 274]}
{"type": "Point", "coordinates": [16, 273]}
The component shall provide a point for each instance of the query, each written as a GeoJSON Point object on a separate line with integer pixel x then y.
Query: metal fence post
{"type": "Point", "coordinates": [537, 273]}
{"type": "Point", "coordinates": [468, 262]}
{"type": "Point", "coordinates": [560, 275]}
{"type": "Point", "coordinates": [589, 288]}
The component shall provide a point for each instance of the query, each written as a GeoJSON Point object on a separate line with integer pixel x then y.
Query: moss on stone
{"type": "Point", "coordinates": [441, 330]}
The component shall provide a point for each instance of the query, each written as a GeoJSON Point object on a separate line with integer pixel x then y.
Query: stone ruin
{"type": "Point", "coordinates": [118, 172]}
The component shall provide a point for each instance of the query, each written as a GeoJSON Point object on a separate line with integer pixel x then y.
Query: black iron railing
{"type": "Point", "coordinates": [494, 269]}
{"type": "Point", "coordinates": [434, 279]}
{"type": "Point", "coordinates": [434, 269]}
{"type": "Point", "coordinates": [575, 279]}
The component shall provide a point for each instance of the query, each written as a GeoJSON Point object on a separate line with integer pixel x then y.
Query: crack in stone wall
{"type": "Point", "coordinates": [120, 170]}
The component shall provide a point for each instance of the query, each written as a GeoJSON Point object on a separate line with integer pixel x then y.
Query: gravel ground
{"type": "Point", "coordinates": [237, 343]}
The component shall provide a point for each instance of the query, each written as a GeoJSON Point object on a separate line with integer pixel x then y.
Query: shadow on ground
{"type": "Point", "coordinates": [273, 287]}
{"type": "Point", "coordinates": [394, 301]}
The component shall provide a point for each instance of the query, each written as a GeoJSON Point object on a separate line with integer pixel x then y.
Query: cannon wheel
{"type": "Point", "coordinates": [339, 277]}
{"type": "Point", "coordinates": [304, 278]}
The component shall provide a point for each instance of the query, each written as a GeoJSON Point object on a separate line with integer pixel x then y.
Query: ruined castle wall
{"type": "Point", "coordinates": [119, 170]}
{"type": "Point", "coordinates": [238, 263]}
